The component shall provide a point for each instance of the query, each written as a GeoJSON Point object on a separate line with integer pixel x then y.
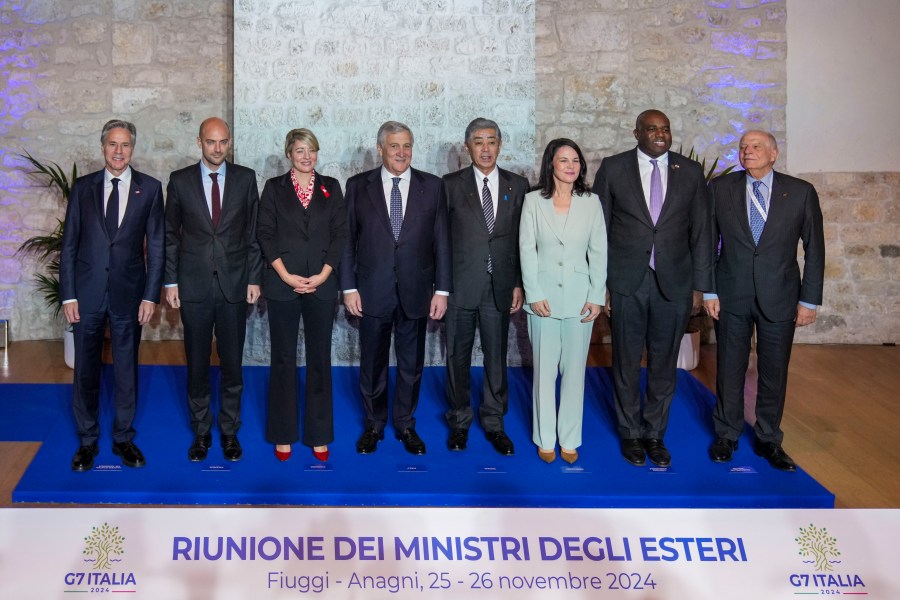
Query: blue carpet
{"type": "Point", "coordinates": [30, 410]}
{"type": "Point", "coordinates": [391, 477]}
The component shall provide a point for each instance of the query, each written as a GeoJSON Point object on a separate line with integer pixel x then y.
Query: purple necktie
{"type": "Point", "coordinates": [656, 202]}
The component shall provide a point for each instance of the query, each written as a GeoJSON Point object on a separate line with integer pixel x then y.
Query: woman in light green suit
{"type": "Point", "coordinates": [562, 244]}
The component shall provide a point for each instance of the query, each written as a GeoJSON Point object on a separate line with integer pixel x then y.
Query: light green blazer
{"type": "Point", "coordinates": [566, 267]}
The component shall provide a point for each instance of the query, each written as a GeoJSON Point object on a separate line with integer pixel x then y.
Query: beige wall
{"type": "Point", "coordinates": [717, 67]}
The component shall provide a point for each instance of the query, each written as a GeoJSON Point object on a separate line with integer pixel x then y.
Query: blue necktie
{"type": "Point", "coordinates": [396, 209]}
{"type": "Point", "coordinates": [656, 202]}
{"type": "Point", "coordinates": [757, 221]}
{"type": "Point", "coordinates": [112, 209]}
{"type": "Point", "coordinates": [487, 206]}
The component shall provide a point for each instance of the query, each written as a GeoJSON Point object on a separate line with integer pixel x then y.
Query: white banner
{"type": "Point", "coordinates": [431, 553]}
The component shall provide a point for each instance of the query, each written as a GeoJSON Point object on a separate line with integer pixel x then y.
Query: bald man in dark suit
{"type": "Point", "coordinates": [760, 216]}
{"type": "Point", "coordinates": [213, 270]}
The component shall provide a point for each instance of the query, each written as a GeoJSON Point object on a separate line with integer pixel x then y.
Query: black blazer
{"type": "Point", "coordinates": [416, 265]}
{"type": "Point", "coordinates": [194, 250]}
{"type": "Point", "coordinates": [91, 264]}
{"type": "Point", "coordinates": [305, 239]}
{"type": "Point", "coordinates": [472, 243]}
{"type": "Point", "coordinates": [768, 273]}
{"type": "Point", "coordinates": [682, 234]}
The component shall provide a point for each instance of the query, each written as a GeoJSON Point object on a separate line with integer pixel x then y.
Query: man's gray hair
{"type": "Point", "coordinates": [116, 124]}
{"type": "Point", "coordinates": [772, 141]}
{"type": "Point", "coordinates": [389, 127]}
{"type": "Point", "coordinates": [482, 123]}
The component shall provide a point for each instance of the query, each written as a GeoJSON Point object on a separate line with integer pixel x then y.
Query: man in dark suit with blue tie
{"type": "Point", "coordinates": [213, 270]}
{"type": "Point", "coordinates": [657, 213]}
{"type": "Point", "coordinates": [484, 204]}
{"type": "Point", "coordinates": [105, 275]}
{"type": "Point", "coordinates": [760, 216]}
{"type": "Point", "coordinates": [395, 274]}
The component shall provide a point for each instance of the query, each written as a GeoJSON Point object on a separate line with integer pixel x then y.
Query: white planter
{"type": "Point", "coordinates": [69, 346]}
{"type": "Point", "coordinates": [689, 353]}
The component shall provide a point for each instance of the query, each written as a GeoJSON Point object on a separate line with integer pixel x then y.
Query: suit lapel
{"type": "Point", "coordinates": [135, 197]}
{"type": "Point", "coordinates": [97, 199]}
{"type": "Point", "coordinates": [634, 176]}
{"type": "Point", "coordinates": [738, 205]}
{"type": "Point", "coordinates": [546, 207]}
{"type": "Point", "coordinates": [473, 197]}
{"type": "Point", "coordinates": [503, 218]}
{"type": "Point", "coordinates": [673, 181]}
{"type": "Point", "coordinates": [227, 207]}
{"type": "Point", "coordinates": [379, 202]}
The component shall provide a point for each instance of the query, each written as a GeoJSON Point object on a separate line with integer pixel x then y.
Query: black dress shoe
{"type": "Point", "coordinates": [501, 442]}
{"type": "Point", "coordinates": [131, 455]}
{"type": "Point", "coordinates": [458, 439]}
{"type": "Point", "coordinates": [231, 448]}
{"type": "Point", "coordinates": [368, 441]}
{"type": "Point", "coordinates": [199, 448]}
{"type": "Point", "coordinates": [775, 454]}
{"type": "Point", "coordinates": [722, 449]}
{"type": "Point", "coordinates": [657, 453]}
{"type": "Point", "coordinates": [411, 441]}
{"type": "Point", "coordinates": [84, 458]}
{"type": "Point", "coordinates": [633, 451]}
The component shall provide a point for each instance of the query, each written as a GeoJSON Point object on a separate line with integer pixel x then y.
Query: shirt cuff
{"type": "Point", "coordinates": [440, 293]}
{"type": "Point", "coordinates": [707, 296]}
{"type": "Point", "coordinates": [808, 305]}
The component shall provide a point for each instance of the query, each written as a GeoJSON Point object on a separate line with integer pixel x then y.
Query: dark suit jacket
{"type": "Point", "coordinates": [416, 265]}
{"type": "Point", "coordinates": [194, 250]}
{"type": "Point", "coordinates": [769, 272]}
{"type": "Point", "coordinates": [90, 263]}
{"type": "Point", "coordinates": [304, 239]}
{"type": "Point", "coordinates": [472, 243]}
{"type": "Point", "coordinates": [682, 234]}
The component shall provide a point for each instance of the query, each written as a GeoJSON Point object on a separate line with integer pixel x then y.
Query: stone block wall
{"type": "Point", "coordinates": [341, 68]}
{"type": "Point", "coordinates": [716, 67]}
{"type": "Point", "coordinates": [67, 68]}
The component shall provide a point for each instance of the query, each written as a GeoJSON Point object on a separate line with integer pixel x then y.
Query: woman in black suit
{"type": "Point", "coordinates": [302, 229]}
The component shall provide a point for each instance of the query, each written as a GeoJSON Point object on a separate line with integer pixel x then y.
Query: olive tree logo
{"type": "Point", "coordinates": [101, 544]}
{"type": "Point", "coordinates": [816, 542]}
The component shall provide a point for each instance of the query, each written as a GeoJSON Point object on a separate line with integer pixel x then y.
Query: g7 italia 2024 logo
{"type": "Point", "coordinates": [102, 551]}
{"type": "Point", "coordinates": [819, 549]}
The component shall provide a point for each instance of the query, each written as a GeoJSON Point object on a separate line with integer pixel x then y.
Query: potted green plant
{"type": "Point", "coordinates": [689, 353]}
{"type": "Point", "coordinates": [46, 248]}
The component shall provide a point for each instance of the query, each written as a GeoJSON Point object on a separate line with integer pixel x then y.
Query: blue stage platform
{"type": "Point", "coordinates": [391, 477]}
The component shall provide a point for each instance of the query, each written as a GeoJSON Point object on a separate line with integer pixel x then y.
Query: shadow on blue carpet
{"type": "Point", "coordinates": [391, 477]}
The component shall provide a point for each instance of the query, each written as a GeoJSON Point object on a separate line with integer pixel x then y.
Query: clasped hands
{"type": "Point", "coordinates": [589, 311]}
{"type": "Point", "coordinates": [304, 285]}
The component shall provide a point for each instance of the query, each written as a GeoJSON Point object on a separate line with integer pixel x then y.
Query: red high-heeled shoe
{"type": "Point", "coordinates": [282, 456]}
{"type": "Point", "coordinates": [323, 455]}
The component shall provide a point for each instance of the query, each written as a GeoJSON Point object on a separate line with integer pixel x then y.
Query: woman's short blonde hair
{"type": "Point", "coordinates": [300, 135]}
